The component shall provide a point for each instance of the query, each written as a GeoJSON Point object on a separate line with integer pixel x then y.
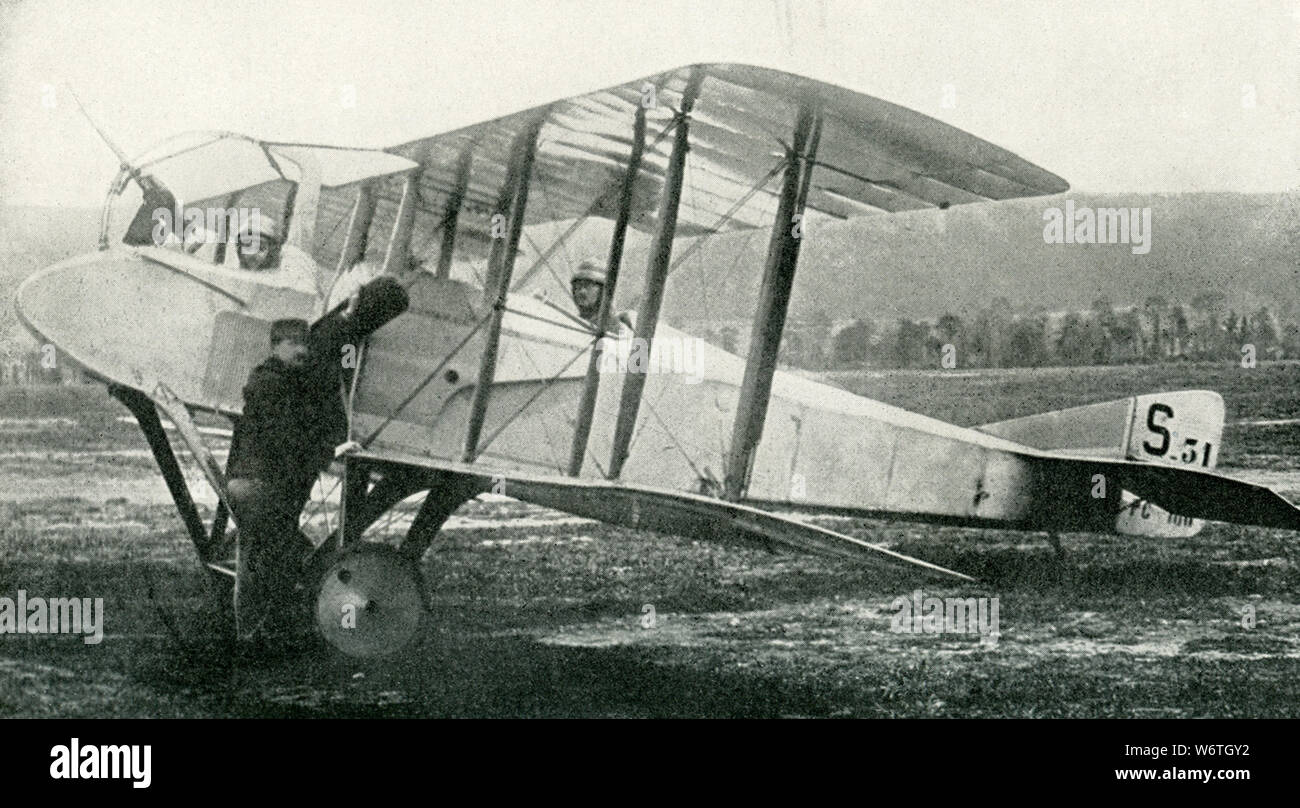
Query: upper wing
{"type": "Point", "coordinates": [873, 157]}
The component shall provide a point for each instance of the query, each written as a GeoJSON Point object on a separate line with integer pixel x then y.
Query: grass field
{"type": "Point", "coordinates": [542, 616]}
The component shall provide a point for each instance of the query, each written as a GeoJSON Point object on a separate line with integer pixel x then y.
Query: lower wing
{"type": "Point", "coordinates": [666, 511]}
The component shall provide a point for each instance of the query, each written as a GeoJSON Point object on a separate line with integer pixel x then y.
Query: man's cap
{"type": "Point", "coordinates": [291, 328]}
{"type": "Point", "coordinates": [590, 270]}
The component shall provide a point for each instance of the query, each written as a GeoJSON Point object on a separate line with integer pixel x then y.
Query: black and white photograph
{"type": "Point", "coordinates": [567, 359]}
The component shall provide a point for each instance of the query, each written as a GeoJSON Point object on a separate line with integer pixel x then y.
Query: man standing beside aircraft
{"type": "Point", "coordinates": [285, 437]}
{"type": "Point", "coordinates": [293, 419]}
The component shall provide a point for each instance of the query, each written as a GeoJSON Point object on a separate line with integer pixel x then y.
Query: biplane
{"type": "Point", "coordinates": [478, 386]}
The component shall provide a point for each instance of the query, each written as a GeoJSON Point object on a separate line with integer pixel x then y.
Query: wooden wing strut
{"type": "Point", "coordinates": [363, 213]}
{"type": "Point", "coordinates": [773, 301]}
{"type": "Point", "coordinates": [591, 386]}
{"type": "Point", "coordinates": [452, 216]}
{"type": "Point", "coordinates": [501, 264]}
{"type": "Point", "coordinates": [397, 258]}
{"type": "Point", "coordinates": [661, 253]}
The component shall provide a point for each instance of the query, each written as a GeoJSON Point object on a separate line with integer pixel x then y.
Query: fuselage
{"type": "Point", "coordinates": [136, 316]}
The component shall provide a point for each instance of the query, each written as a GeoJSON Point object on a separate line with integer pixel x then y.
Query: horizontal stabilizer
{"type": "Point", "coordinates": [1202, 494]}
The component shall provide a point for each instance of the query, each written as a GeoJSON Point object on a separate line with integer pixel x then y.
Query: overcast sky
{"type": "Point", "coordinates": [1114, 96]}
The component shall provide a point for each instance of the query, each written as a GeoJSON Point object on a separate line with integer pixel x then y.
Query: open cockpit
{"type": "Point", "coordinates": [224, 201]}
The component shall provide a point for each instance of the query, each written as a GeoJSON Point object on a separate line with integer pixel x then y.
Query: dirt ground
{"type": "Point", "coordinates": [539, 614]}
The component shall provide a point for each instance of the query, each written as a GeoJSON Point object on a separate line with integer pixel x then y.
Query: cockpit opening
{"type": "Point", "coordinates": [232, 201]}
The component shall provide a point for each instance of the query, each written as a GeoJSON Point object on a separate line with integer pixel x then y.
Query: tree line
{"type": "Point", "coordinates": [999, 337]}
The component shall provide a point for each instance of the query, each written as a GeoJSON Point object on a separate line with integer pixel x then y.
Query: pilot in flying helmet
{"type": "Point", "coordinates": [259, 244]}
{"type": "Point", "coordinates": [588, 286]}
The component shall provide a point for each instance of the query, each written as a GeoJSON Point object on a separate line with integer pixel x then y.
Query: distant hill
{"type": "Point", "coordinates": [917, 265]}
{"type": "Point", "coordinates": [922, 264]}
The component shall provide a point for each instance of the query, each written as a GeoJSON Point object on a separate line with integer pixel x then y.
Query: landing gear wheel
{"type": "Point", "coordinates": [369, 601]}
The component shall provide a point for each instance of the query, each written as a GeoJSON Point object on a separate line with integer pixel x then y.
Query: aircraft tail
{"type": "Point", "coordinates": [1183, 429]}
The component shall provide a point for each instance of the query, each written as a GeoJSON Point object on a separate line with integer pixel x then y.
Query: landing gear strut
{"type": "Point", "coordinates": [369, 596]}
